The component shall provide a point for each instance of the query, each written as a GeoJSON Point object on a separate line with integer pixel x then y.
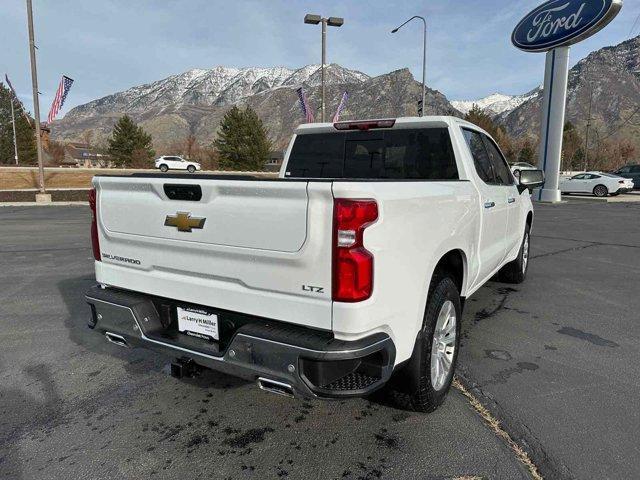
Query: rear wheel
{"type": "Point", "coordinates": [191, 168]}
{"type": "Point", "coordinates": [516, 271]}
{"type": "Point", "coordinates": [423, 383]}
{"type": "Point", "coordinates": [600, 191]}
{"type": "Point", "coordinates": [163, 168]}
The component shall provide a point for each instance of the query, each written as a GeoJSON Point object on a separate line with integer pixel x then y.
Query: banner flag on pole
{"type": "Point", "coordinates": [61, 96]}
{"type": "Point", "coordinates": [343, 103]}
{"type": "Point", "coordinates": [304, 106]}
{"type": "Point", "coordinates": [15, 95]}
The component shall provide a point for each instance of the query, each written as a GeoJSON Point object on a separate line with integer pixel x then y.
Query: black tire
{"type": "Point", "coordinates": [412, 386]}
{"type": "Point", "coordinates": [164, 168]}
{"type": "Point", "coordinates": [516, 271]}
{"type": "Point", "coordinates": [191, 169]}
{"type": "Point", "coordinates": [600, 191]}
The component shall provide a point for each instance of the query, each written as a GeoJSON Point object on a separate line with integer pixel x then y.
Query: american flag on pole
{"type": "Point", "coordinates": [61, 96]}
{"type": "Point", "coordinates": [343, 103]}
{"type": "Point", "coordinates": [304, 105]}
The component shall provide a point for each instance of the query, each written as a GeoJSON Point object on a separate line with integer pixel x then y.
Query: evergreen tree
{"type": "Point", "coordinates": [482, 119]}
{"type": "Point", "coordinates": [572, 156]}
{"type": "Point", "coordinates": [129, 145]}
{"type": "Point", "coordinates": [242, 141]}
{"type": "Point", "coordinates": [25, 134]}
{"type": "Point", "coordinates": [526, 153]}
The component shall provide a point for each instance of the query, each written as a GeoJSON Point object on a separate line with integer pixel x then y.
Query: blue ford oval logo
{"type": "Point", "coordinates": [563, 22]}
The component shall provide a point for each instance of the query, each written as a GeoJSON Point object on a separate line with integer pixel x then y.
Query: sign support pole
{"type": "Point", "coordinates": [554, 100]}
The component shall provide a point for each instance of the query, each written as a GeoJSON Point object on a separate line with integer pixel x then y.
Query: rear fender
{"type": "Point", "coordinates": [442, 250]}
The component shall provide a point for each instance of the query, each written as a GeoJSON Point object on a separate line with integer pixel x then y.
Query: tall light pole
{"type": "Point", "coordinates": [332, 22]}
{"type": "Point", "coordinates": [36, 103]}
{"type": "Point", "coordinates": [424, 55]}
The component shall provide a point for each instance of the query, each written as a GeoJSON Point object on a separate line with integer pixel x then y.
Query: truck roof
{"type": "Point", "coordinates": [400, 122]}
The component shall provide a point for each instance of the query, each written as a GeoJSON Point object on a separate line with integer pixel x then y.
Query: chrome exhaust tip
{"type": "Point", "coordinates": [272, 386]}
{"type": "Point", "coordinates": [117, 339]}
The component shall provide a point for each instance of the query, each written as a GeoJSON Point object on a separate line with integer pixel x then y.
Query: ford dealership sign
{"type": "Point", "coordinates": [559, 23]}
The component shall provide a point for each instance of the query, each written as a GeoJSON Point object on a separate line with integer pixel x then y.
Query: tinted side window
{"type": "Point", "coordinates": [635, 169]}
{"type": "Point", "coordinates": [319, 155]}
{"type": "Point", "coordinates": [503, 174]}
{"type": "Point", "coordinates": [480, 157]}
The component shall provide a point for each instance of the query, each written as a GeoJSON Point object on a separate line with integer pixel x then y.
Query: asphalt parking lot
{"type": "Point", "coordinates": [556, 359]}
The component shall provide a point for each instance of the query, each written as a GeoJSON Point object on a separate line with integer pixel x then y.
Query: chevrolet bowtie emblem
{"type": "Point", "coordinates": [184, 221]}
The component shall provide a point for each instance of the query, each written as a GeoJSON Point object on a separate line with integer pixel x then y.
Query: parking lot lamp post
{"type": "Point", "coordinates": [332, 22]}
{"type": "Point", "coordinates": [424, 55]}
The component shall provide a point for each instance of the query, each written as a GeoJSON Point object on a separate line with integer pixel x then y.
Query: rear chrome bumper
{"type": "Point", "coordinates": [311, 362]}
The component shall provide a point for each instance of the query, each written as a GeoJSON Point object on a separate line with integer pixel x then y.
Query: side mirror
{"type": "Point", "coordinates": [530, 179]}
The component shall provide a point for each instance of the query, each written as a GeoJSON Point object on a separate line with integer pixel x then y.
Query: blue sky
{"type": "Point", "coordinates": [110, 45]}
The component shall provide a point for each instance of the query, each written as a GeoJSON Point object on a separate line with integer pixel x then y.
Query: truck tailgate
{"type": "Point", "coordinates": [246, 246]}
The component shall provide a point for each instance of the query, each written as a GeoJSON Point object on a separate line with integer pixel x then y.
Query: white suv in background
{"type": "Point", "coordinates": [168, 162]}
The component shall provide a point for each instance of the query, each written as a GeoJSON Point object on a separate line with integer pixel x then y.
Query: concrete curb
{"type": "Point", "coordinates": [623, 198]}
{"type": "Point", "coordinates": [36, 204]}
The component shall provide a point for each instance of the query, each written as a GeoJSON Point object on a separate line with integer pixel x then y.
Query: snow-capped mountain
{"type": "Point", "coordinates": [608, 80]}
{"type": "Point", "coordinates": [496, 103]}
{"type": "Point", "coordinates": [218, 86]}
{"type": "Point", "coordinates": [194, 102]}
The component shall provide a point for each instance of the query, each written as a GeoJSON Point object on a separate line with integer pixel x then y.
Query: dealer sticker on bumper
{"type": "Point", "coordinates": [198, 323]}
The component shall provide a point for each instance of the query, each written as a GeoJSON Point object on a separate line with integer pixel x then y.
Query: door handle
{"type": "Point", "coordinates": [511, 200]}
{"type": "Point", "coordinates": [489, 204]}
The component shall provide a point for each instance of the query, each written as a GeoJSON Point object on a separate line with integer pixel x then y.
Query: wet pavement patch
{"type": "Point", "coordinates": [498, 354]}
{"type": "Point", "coordinates": [588, 337]}
{"type": "Point", "coordinates": [197, 440]}
{"type": "Point", "coordinates": [255, 435]}
{"type": "Point", "coordinates": [488, 313]}
{"type": "Point", "coordinates": [503, 375]}
{"type": "Point", "coordinates": [383, 438]}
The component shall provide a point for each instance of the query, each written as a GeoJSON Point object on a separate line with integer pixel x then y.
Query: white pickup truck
{"type": "Point", "coordinates": [346, 273]}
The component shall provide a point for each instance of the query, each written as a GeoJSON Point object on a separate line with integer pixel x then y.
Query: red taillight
{"type": "Point", "coordinates": [365, 124]}
{"type": "Point", "coordinates": [352, 263]}
{"type": "Point", "coordinates": [95, 242]}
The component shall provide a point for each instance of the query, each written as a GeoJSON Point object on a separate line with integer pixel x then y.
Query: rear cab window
{"type": "Point", "coordinates": [409, 153]}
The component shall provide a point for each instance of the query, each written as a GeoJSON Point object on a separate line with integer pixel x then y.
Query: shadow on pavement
{"type": "Point", "coordinates": [42, 412]}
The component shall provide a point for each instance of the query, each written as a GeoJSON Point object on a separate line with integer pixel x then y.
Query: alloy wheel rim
{"type": "Point", "coordinates": [443, 346]}
{"type": "Point", "coordinates": [525, 253]}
